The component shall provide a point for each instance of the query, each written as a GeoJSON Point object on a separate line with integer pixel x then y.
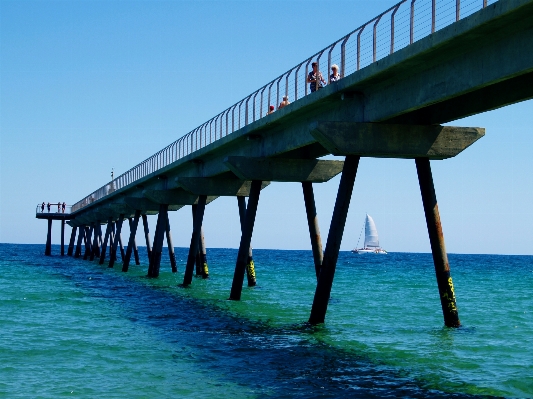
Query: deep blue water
{"type": "Point", "coordinates": [74, 328]}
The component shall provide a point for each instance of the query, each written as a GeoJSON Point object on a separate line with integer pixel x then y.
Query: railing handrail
{"type": "Point", "coordinates": [192, 141]}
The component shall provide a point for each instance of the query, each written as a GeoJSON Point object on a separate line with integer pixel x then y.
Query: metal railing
{"type": "Point", "coordinates": [393, 29]}
{"type": "Point", "coordinates": [53, 208]}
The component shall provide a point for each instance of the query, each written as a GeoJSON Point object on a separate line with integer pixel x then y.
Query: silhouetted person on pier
{"type": "Point", "coordinates": [63, 206]}
{"type": "Point", "coordinates": [284, 102]}
{"type": "Point", "coordinates": [334, 73]}
{"type": "Point", "coordinates": [42, 207]}
{"type": "Point", "coordinates": [270, 110]}
{"type": "Point", "coordinates": [48, 207]}
{"type": "Point", "coordinates": [313, 76]}
{"type": "Point", "coordinates": [58, 207]}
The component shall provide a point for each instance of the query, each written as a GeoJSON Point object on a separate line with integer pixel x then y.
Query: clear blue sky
{"type": "Point", "coordinates": [86, 86]}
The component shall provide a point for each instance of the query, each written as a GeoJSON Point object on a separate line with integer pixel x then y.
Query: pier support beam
{"type": "Point", "coordinates": [250, 266]}
{"type": "Point", "coordinates": [147, 237]}
{"type": "Point", "coordinates": [116, 239]}
{"type": "Point", "coordinates": [95, 246]}
{"type": "Point", "coordinates": [312, 221]}
{"type": "Point", "coordinates": [62, 237]}
{"type": "Point", "coordinates": [88, 237]}
{"type": "Point", "coordinates": [201, 255]}
{"type": "Point", "coordinates": [81, 234]}
{"type": "Point", "coordinates": [131, 242]}
{"type": "Point", "coordinates": [71, 242]}
{"type": "Point", "coordinates": [121, 246]}
{"type": "Point", "coordinates": [436, 238]}
{"type": "Point", "coordinates": [195, 239]}
{"type": "Point", "coordinates": [336, 230]}
{"type": "Point", "coordinates": [106, 239]}
{"type": "Point", "coordinates": [170, 246]}
{"type": "Point", "coordinates": [157, 250]}
{"type": "Point", "coordinates": [48, 249]}
{"type": "Point", "coordinates": [246, 239]}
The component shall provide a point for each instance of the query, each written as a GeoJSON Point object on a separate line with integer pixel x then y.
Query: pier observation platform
{"type": "Point", "coordinates": [400, 77]}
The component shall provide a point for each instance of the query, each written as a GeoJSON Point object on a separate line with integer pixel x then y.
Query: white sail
{"type": "Point", "coordinates": [371, 233]}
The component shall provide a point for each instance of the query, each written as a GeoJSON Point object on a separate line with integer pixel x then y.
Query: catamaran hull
{"type": "Point", "coordinates": [369, 251]}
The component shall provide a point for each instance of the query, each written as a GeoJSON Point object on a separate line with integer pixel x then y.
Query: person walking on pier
{"type": "Point", "coordinates": [58, 207]}
{"type": "Point", "coordinates": [334, 73]}
{"type": "Point", "coordinates": [313, 76]}
{"type": "Point", "coordinates": [42, 207]}
{"type": "Point", "coordinates": [63, 206]}
{"type": "Point", "coordinates": [270, 110]}
{"type": "Point", "coordinates": [284, 102]}
{"type": "Point", "coordinates": [48, 207]}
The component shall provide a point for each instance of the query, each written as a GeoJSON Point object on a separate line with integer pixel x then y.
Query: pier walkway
{"type": "Point", "coordinates": [417, 65]}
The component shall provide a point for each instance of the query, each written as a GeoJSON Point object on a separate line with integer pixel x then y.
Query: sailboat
{"type": "Point", "coordinates": [371, 239]}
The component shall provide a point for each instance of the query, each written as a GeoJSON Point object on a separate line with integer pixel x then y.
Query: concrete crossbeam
{"type": "Point", "coordinates": [283, 170]}
{"type": "Point", "coordinates": [394, 141]}
{"type": "Point", "coordinates": [146, 206]}
{"type": "Point", "coordinates": [219, 187]}
{"type": "Point", "coordinates": [176, 198]}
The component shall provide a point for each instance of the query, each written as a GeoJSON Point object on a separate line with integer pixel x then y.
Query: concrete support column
{"type": "Point", "coordinates": [121, 246]}
{"type": "Point", "coordinates": [48, 249]}
{"type": "Point", "coordinates": [95, 247]}
{"type": "Point", "coordinates": [250, 266]}
{"type": "Point", "coordinates": [88, 246]}
{"type": "Point", "coordinates": [112, 255]}
{"type": "Point", "coordinates": [312, 221]}
{"type": "Point", "coordinates": [71, 242]}
{"type": "Point", "coordinates": [246, 239]}
{"type": "Point", "coordinates": [81, 234]}
{"type": "Point", "coordinates": [204, 269]}
{"type": "Point", "coordinates": [116, 240]}
{"type": "Point", "coordinates": [106, 239]}
{"type": "Point", "coordinates": [336, 230]}
{"type": "Point", "coordinates": [98, 246]}
{"type": "Point", "coordinates": [157, 250]}
{"type": "Point", "coordinates": [170, 246]}
{"type": "Point", "coordinates": [62, 238]}
{"type": "Point", "coordinates": [195, 239]}
{"type": "Point", "coordinates": [147, 237]}
{"type": "Point", "coordinates": [131, 241]}
{"type": "Point", "coordinates": [436, 238]}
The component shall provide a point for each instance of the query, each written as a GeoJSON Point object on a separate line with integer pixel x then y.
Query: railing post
{"type": "Point", "coordinates": [343, 55]}
{"type": "Point", "coordinates": [412, 23]}
{"type": "Point", "coordinates": [374, 39]}
{"type": "Point", "coordinates": [359, 47]}
{"type": "Point", "coordinates": [457, 10]}
{"type": "Point", "coordinates": [433, 15]}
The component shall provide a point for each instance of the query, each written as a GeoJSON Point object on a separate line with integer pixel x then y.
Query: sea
{"type": "Point", "coordinates": [74, 328]}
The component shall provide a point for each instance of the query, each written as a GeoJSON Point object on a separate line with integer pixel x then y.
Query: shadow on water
{"type": "Point", "coordinates": [289, 361]}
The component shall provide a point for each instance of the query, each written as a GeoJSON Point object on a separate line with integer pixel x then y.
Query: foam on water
{"type": "Point", "coordinates": [72, 327]}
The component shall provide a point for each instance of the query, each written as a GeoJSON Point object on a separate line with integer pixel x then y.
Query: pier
{"type": "Point", "coordinates": [394, 107]}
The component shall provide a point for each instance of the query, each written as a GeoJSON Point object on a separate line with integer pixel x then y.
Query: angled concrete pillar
{"type": "Point", "coordinates": [95, 247]}
{"type": "Point", "coordinates": [147, 237]}
{"type": "Point", "coordinates": [116, 239]}
{"type": "Point", "coordinates": [88, 238]}
{"type": "Point", "coordinates": [436, 239]}
{"type": "Point", "coordinates": [48, 249]}
{"type": "Point", "coordinates": [121, 246]}
{"type": "Point", "coordinates": [106, 239]}
{"type": "Point", "coordinates": [312, 221]}
{"type": "Point", "coordinates": [131, 241]}
{"type": "Point", "coordinates": [157, 249]}
{"type": "Point", "coordinates": [170, 246]}
{"type": "Point", "coordinates": [195, 240]}
{"type": "Point", "coordinates": [81, 234]}
{"type": "Point", "coordinates": [71, 242]}
{"type": "Point", "coordinates": [336, 230]}
{"type": "Point", "coordinates": [250, 265]}
{"type": "Point", "coordinates": [62, 238]}
{"type": "Point", "coordinates": [246, 239]}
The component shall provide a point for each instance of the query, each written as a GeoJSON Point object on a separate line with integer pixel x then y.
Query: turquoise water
{"type": "Point", "coordinates": [74, 328]}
